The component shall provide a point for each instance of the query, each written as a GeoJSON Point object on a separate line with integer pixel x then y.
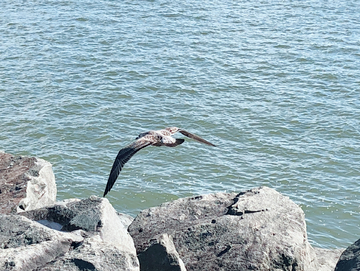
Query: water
{"type": "Point", "coordinates": [275, 84]}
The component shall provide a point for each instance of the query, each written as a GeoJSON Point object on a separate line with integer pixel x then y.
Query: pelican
{"type": "Point", "coordinates": [152, 138]}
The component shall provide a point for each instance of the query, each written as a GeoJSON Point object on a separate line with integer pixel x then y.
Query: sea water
{"type": "Point", "coordinates": [274, 84]}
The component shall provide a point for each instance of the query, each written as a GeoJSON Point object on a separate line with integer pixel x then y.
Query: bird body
{"type": "Point", "coordinates": [151, 138]}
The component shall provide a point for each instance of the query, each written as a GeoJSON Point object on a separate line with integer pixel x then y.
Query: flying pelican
{"type": "Point", "coordinates": [152, 138]}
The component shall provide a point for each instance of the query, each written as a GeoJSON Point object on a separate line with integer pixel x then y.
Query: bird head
{"type": "Point", "coordinates": [172, 130]}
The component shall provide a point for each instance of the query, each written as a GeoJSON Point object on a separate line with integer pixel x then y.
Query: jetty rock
{"type": "Point", "coordinates": [259, 229]}
{"type": "Point", "coordinates": [350, 258]}
{"type": "Point", "coordinates": [71, 235]}
{"type": "Point", "coordinates": [26, 183]}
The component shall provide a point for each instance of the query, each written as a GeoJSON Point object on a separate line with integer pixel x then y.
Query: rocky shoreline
{"type": "Point", "coordinates": [259, 229]}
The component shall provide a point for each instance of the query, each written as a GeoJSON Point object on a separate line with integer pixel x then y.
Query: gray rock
{"type": "Point", "coordinates": [125, 219]}
{"type": "Point", "coordinates": [256, 230]}
{"type": "Point", "coordinates": [93, 214]}
{"type": "Point", "coordinates": [26, 245]}
{"type": "Point", "coordinates": [92, 237]}
{"type": "Point", "coordinates": [350, 258]}
{"type": "Point", "coordinates": [161, 256]}
{"type": "Point", "coordinates": [94, 254]}
{"type": "Point", "coordinates": [26, 183]}
{"type": "Point", "coordinates": [327, 258]}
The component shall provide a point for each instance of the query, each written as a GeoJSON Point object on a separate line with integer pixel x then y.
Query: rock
{"type": "Point", "coordinates": [26, 244]}
{"type": "Point", "coordinates": [259, 229]}
{"type": "Point", "coordinates": [327, 258]}
{"type": "Point", "coordinates": [161, 256]}
{"type": "Point", "coordinates": [255, 230]}
{"type": "Point", "coordinates": [126, 220]}
{"type": "Point", "coordinates": [91, 215]}
{"type": "Point", "coordinates": [26, 183]}
{"type": "Point", "coordinates": [92, 237]}
{"type": "Point", "coordinates": [350, 258]}
{"type": "Point", "coordinates": [93, 254]}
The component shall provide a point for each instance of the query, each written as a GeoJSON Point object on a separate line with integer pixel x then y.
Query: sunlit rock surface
{"type": "Point", "coordinates": [26, 183]}
{"type": "Point", "coordinates": [83, 235]}
{"type": "Point", "coordinates": [259, 229]}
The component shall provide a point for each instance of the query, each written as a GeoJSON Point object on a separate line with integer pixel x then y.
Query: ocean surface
{"type": "Point", "coordinates": [274, 84]}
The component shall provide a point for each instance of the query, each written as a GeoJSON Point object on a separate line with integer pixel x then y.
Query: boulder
{"type": "Point", "coordinates": [71, 235]}
{"type": "Point", "coordinates": [161, 256]}
{"type": "Point", "coordinates": [327, 258]}
{"type": "Point", "coordinates": [259, 229]}
{"type": "Point", "coordinates": [350, 258]}
{"type": "Point", "coordinates": [27, 245]}
{"type": "Point", "coordinates": [26, 183]}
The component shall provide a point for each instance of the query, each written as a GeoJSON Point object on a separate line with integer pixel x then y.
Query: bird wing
{"type": "Point", "coordinates": [174, 143]}
{"type": "Point", "coordinates": [123, 156]}
{"type": "Point", "coordinates": [195, 137]}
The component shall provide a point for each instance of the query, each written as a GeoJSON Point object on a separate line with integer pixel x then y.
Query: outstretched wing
{"type": "Point", "coordinates": [195, 137]}
{"type": "Point", "coordinates": [123, 156]}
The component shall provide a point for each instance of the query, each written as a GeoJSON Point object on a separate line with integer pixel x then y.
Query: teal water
{"type": "Point", "coordinates": [275, 84]}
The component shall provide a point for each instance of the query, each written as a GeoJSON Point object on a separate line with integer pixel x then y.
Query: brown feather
{"type": "Point", "coordinates": [195, 137]}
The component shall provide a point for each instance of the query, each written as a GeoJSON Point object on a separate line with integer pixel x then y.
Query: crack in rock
{"type": "Point", "coordinates": [228, 247]}
{"type": "Point", "coordinates": [240, 213]}
{"type": "Point", "coordinates": [234, 210]}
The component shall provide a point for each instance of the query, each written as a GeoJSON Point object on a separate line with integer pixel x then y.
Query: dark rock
{"type": "Point", "coordinates": [350, 258]}
{"type": "Point", "coordinates": [256, 230]}
{"type": "Point", "coordinates": [26, 183]}
{"type": "Point", "coordinates": [161, 256]}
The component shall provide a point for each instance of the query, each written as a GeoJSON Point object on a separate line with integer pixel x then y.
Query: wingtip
{"type": "Point", "coordinates": [208, 143]}
{"type": "Point", "coordinates": [105, 193]}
